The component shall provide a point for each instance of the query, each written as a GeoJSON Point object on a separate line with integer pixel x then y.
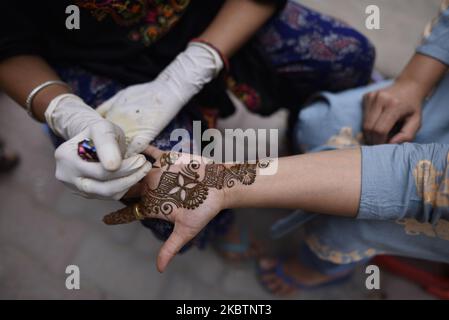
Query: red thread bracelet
{"type": "Point", "coordinates": [222, 56]}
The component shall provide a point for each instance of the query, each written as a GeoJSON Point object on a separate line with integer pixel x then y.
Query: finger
{"type": "Point", "coordinates": [372, 108]}
{"type": "Point", "coordinates": [171, 247]}
{"type": "Point", "coordinates": [384, 125]}
{"type": "Point", "coordinates": [113, 188]}
{"type": "Point", "coordinates": [95, 170]}
{"type": "Point", "coordinates": [153, 152]}
{"type": "Point", "coordinates": [138, 145]}
{"type": "Point", "coordinates": [408, 131]}
{"type": "Point", "coordinates": [287, 291]}
{"type": "Point", "coordinates": [122, 216]}
{"type": "Point", "coordinates": [372, 111]}
{"type": "Point", "coordinates": [104, 108]}
{"type": "Point", "coordinates": [367, 99]}
{"type": "Point", "coordinates": [117, 188]}
{"type": "Point", "coordinates": [106, 139]}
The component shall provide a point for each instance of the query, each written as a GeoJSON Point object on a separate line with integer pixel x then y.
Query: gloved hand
{"type": "Point", "coordinates": [69, 117]}
{"type": "Point", "coordinates": [144, 110]}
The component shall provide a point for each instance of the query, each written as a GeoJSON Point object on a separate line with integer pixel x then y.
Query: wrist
{"type": "Point", "coordinates": [191, 71]}
{"type": "Point", "coordinates": [43, 99]}
{"type": "Point", "coordinates": [413, 88]}
{"type": "Point", "coordinates": [215, 52]}
{"type": "Point", "coordinates": [232, 197]}
{"type": "Point", "coordinates": [249, 184]}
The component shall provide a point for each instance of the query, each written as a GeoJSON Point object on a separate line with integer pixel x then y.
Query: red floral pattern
{"type": "Point", "coordinates": [246, 94]}
{"type": "Point", "coordinates": [149, 19]}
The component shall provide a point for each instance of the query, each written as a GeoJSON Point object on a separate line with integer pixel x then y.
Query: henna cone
{"type": "Point", "coordinates": [122, 216]}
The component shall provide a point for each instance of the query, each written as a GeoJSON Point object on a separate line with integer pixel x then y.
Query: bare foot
{"type": "Point", "coordinates": [293, 270]}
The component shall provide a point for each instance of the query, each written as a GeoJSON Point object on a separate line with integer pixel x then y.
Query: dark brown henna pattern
{"type": "Point", "coordinates": [184, 189]}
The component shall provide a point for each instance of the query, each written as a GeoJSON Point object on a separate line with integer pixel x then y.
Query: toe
{"type": "Point", "coordinates": [267, 264]}
{"type": "Point", "coordinates": [287, 291]}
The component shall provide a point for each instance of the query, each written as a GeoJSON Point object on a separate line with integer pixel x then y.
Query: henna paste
{"type": "Point", "coordinates": [184, 189]}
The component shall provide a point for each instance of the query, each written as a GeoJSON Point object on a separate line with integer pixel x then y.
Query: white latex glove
{"type": "Point", "coordinates": [69, 117]}
{"type": "Point", "coordinates": [144, 110]}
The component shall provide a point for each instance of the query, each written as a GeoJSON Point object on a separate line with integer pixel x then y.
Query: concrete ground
{"type": "Point", "coordinates": [44, 228]}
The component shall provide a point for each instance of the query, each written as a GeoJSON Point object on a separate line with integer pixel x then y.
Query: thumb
{"type": "Point", "coordinates": [408, 130]}
{"type": "Point", "coordinates": [138, 144]}
{"type": "Point", "coordinates": [104, 108]}
{"type": "Point", "coordinates": [171, 247]}
{"type": "Point", "coordinates": [107, 138]}
{"type": "Point", "coordinates": [153, 152]}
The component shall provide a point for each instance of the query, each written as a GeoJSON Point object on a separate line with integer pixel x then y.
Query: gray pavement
{"type": "Point", "coordinates": [44, 228]}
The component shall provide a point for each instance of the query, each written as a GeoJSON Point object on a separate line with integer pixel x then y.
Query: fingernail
{"type": "Point", "coordinates": [111, 165]}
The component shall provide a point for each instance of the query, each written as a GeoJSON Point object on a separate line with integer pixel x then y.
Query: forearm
{"type": "Point", "coordinates": [423, 73]}
{"type": "Point", "coordinates": [21, 74]}
{"type": "Point", "coordinates": [327, 182]}
{"type": "Point", "coordinates": [236, 22]}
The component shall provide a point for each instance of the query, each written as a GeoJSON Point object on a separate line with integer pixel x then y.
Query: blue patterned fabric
{"type": "Point", "coordinates": [316, 51]}
{"type": "Point", "coordinates": [306, 52]}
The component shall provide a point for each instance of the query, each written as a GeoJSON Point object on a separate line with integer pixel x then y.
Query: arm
{"type": "Point", "coordinates": [326, 182]}
{"type": "Point", "coordinates": [19, 75]}
{"type": "Point", "coordinates": [423, 73]}
{"type": "Point", "coordinates": [236, 23]}
{"type": "Point", "coordinates": [405, 182]}
{"type": "Point", "coordinates": [184, 189]}
{"type": "Point", "coordinates": [74, 121]}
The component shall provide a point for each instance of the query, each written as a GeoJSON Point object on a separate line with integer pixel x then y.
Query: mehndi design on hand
{"type": "Point", "coordinates": [185, 189]}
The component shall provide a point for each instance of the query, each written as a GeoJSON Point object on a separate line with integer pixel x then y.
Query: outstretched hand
{"type": "Point", "coordinates": [186, 190]}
